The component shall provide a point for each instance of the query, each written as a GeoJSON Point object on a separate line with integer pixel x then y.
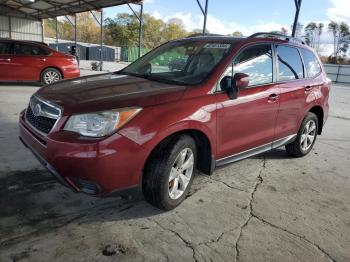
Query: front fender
{"type": "Point", "coordinates": [154, 124]}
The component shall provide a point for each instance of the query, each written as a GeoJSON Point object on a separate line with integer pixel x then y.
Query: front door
{"type": "Point", "coordinates": [248, 122]}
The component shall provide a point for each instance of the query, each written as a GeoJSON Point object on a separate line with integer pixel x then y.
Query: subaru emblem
{"type": "Point", "coordinates": [37, 110]}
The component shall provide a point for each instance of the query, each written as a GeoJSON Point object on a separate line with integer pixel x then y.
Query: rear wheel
{"type": "Point", "coordinates": [169, 174]}
{"type": "Point", "coordinates": [306, 137]}
{"type": "Point", "coordinates": [50, 76]}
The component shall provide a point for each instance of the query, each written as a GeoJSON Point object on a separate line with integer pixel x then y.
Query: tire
{"type": "Point", "coordinates": [303, 142]}
{"type": "Point", "coordinates": [159, 185]}
{"type": "Point", "coordinates": [50, 76]}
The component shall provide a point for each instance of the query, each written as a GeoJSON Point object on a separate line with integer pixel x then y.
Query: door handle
{"type": "Point", "coordinates": [43, 59]}
{"type": "Point", "coordinates": [6, 59]}
{"type": "Point", "coordinates": [273, 98]}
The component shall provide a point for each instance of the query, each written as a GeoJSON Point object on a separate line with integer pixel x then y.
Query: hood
{"type": "Point", "coordinates": [108, 91]}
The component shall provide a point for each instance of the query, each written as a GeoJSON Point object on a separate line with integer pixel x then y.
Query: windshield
{"type": "Point", "coordinates": [180, 62]}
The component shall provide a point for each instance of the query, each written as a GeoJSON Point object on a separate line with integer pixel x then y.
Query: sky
{"type": "Point", "coordinates": [249, 16]}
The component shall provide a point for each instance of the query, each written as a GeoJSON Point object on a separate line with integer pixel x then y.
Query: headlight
{"type": "Point", "coordinates": [100, 123]}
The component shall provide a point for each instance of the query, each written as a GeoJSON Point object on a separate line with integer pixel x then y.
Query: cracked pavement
{"type": "Point", "coordinates": [265, 208]}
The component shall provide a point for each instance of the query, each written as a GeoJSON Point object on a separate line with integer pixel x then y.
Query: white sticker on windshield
{"type": "Point", "coordinates": [216, 45]}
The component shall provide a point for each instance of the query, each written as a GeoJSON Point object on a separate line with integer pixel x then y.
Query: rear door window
{"type": "Point", "coordinates": [312, 66]}
{"type": "Point", "coordinates": [289, 62]}
{"type": "Point", "coordinates": [26, 49]}
{"type": "Point", "coordinates": [5, 48]}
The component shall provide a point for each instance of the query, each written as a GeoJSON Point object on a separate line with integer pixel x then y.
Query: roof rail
{"type": "Point", "coordinates": [277, 36]}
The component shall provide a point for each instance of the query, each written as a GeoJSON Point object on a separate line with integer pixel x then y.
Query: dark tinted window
{"type": "Point", "coordinates": [255, 61]}
{"type": "Point", "coordinates": [289, 63]}
{"type": "Point", "coordinates": [5, 48]}
{"type": "Point", "coordinates": [312, 66]}
{"type": "Point", "coordinates": [26, 49]}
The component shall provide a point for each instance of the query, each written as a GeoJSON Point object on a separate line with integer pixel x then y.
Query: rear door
{"type": "Point", "coordinates": [294, 93]}
{"type": "Point", "coordinates": [28, 61]}
{"type": "Point", "coordinates": [5, 60]}
{"type": "Point", "coordinates": [248, 122]}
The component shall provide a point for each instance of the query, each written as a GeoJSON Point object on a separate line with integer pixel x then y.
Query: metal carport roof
{"type": "Point", "coordinates": [40, 9]}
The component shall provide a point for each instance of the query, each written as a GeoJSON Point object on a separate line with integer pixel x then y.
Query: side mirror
{"type": "Point", "coordinates": [232, 84]}
{"type": "Point", "coordinates": [241, 80]}
{"type": "Point", "coordinates": [145, 69]}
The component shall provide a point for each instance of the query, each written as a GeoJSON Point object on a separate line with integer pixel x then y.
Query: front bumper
{"type": "Point", "coordinates": [93, 166]}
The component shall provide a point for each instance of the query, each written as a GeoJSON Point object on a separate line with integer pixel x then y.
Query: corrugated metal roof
{"type": "Point", "coordinates": [39, 9]}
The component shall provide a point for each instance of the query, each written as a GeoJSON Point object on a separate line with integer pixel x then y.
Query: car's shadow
{"type": "Point", "coordinates": [32, 202]}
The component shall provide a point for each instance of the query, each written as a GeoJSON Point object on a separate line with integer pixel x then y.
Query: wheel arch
{"type": "Point", "coordinates": [318, 111]}
{"type": "Point", "coordinates": [206, 161]}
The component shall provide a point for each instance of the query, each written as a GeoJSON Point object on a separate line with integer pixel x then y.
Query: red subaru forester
{"type": "Point", "coordinates": [33, 62]}
{"type": "Point", "coordinates": [150, 127]}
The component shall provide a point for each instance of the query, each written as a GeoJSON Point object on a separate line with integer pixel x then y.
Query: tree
{"type": "Point", "coordinates": [152, 32]}
{"type": "Point", "coordinates": [87, 28]}
{"type": "Point", "coordinates": [298, 30]}
{"type": "Point", "coordinates": [341, 38]}
{"type": "Point", "coordinates": [344, 39]}
{"type": "Point", "coordinates": [237, 34]}
{"type": "Point", "coordinates": [319, 33]}
{"type": "Point", "coordinates": [333, 27]}
{"type": "Point", "coordinates": [122, 30]}
{"type": "Point", "coordinates": [50, 28]}
{"type": "Point", "coordinates": [311, 34]}
{"type": "Point", "coordinates": [284, 30]}
{"type": "Point", "coordinates": [174, 29]}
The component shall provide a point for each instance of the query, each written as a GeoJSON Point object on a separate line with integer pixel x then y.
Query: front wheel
{"type": "Point", "coordinates": [169, 174]}
{"type": "Point", "coordinates": [50, 76]}
{"type": "Point", "coordinates": [306, 137]}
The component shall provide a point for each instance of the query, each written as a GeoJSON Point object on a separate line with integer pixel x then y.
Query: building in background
{"type": "Point", "coordinates": [86, 51]}
{"type": "Point", "coordinates": [20, 28]}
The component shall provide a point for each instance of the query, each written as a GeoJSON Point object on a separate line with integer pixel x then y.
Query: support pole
{"type": "Point", "coordinates": [10, 28]}
{"type": "Point", "coordinates": [296, 18]}
{"type": "Point", "coordinates": [140, 28]}
{"type": "Point", "coordinates": [56, 34]}
{"type": "Point", "coordinates": [205, 14]}
{"type": "Point", "coordinates": [42, 31]}
{"type": "Point", "coordinates": [205, 17]}
{"type": "Point", "coordinates": [139, 17]}
{"type": "Point", "coordinates": [101, 40]}
{"type": "Point", "coordinates": [75, 32]}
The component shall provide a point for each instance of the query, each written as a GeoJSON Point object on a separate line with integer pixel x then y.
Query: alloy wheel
{"type": "Point", "coordinates": [51, 77]}
{"type": "Point", "coordinates": [181, 173]}
{"type": "Point", "coordinates": [308, 135]}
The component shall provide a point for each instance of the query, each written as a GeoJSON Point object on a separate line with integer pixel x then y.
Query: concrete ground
{"type": "Point", "coordinates": [265, 208]}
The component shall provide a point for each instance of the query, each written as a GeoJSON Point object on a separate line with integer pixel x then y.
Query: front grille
{"type": "Point", "coordinates": [43, 124]}
{"type": "Point", "coordinates": [45, 120]}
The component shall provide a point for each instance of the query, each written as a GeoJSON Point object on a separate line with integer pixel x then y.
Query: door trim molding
{"type": "Point", "coordinates": [256, 150]}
